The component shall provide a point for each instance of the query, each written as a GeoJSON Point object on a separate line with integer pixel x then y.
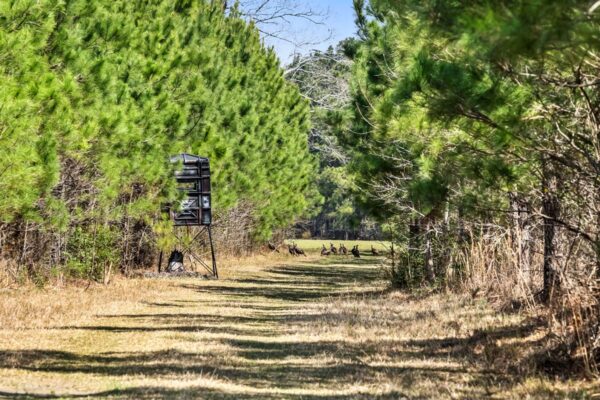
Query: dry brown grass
{"type": "Point", "coordinates": [497, 268]}
{"type": "Point", "coordinates": [271, 328]}
{"type": "Point", "coordinates": [29, 307]}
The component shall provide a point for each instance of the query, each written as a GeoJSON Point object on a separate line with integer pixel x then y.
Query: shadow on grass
{"type": "Point", "coordinates": [199, 392]}
{"type": "Point", "coordinates": [286, 283]}
{"type": "Point", "coordinates": [192, 328]}
{"type": "Point", "coordinates": [275, 364]}
{"type": "Point", "coordinates": [261, 358]}
{"type": "Point", "coordinates": [251, 369]}
{"type": "Point", "coordinates": [273, 377]}
{"type": "Point", "coordinates": [345, 260]}
{"type": "Point", "coordinates": [282, 293]}
{"type": "Point", "coordinates": [308, 281]}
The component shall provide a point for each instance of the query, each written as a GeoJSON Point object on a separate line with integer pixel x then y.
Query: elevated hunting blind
{"type": "Point", "coordinates": [193, 179]}
{"type": "Point", "coordinates": [194, 211]}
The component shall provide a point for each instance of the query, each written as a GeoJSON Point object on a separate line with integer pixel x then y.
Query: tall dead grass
{"type": "Point", "coordinates": [499, 265]}
{"type": "Point", "coordinates": [30, 307]}
{"type": "Point", "coordinates": [494, 266]}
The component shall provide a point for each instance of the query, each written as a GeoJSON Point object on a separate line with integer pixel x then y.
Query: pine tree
{"type": "Point", "coordinates": [104, 92]}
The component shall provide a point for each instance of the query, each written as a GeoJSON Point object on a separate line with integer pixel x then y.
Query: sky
{"type": "Point", "coordinates": [338, 24]}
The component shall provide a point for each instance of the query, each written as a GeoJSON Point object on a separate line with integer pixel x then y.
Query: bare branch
{"type": "Point", "coordinates": [276, 19]}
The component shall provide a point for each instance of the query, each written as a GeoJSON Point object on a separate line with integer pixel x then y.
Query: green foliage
{"type": "Point", "coordinates": [88, 253]}
{"type": "Point", "coordinates": [430, 91]}
{"type": "Point", "coordinates": [95, 96]}
{"type": "Point", "coordinates": [338, 208]}
{"type": "Point", "coordinates": [461, 106]}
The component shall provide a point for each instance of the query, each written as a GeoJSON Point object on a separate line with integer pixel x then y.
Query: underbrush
{"type": "Point", "coordinates": [493, 267]}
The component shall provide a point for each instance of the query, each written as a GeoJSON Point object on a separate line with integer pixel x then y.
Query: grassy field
{"type": "Point", "coordinates": [314, 245]}
{"type": "Point", "coordinates": [271, 328]}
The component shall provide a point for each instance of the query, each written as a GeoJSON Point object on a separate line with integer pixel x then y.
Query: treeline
{"type": "Point", "coordinates": [323, 77]}
{"type": "Point", "coordinates": [474, 133]}
{"type": "Point", "coordinates": [94, 98]}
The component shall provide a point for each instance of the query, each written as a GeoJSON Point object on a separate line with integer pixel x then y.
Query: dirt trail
{"type": "Point", "coordinates": [316, 329]}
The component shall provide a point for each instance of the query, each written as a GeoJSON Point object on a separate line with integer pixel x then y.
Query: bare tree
{"type": "Point", "coordinates": [276, 19]}
{"type": "Point", "coordinates": [323, 79]}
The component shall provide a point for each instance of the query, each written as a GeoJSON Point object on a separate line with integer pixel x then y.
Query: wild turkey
{"type": "Point", "coordinates": [324, 251]}
{"type": "Point", "coordinates": [291, 250]}
{"type": "Point", "coordinates": [355, 252]}
{"type": "Point", "coordinates": [298, 250]}
{"type": "Point", "coordinates": [374, 251]}
{"type": "Point", "coordinates": [332, 249]}
{"type": "Point", "coordinates": [272, 247]}
{"type": "Point", "coordinates": [343, 249]}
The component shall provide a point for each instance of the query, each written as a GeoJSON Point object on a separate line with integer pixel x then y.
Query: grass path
{"type": "Point", "coordinates": [313, 329]}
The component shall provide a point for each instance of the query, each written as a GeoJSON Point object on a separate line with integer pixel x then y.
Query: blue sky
{"type": "Point", "coordinates": [338, 24]}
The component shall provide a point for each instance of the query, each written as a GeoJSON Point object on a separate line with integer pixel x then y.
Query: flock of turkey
{"type": "Point", "coordinates": [294, 250]}
{"type": "Point", "coordinates": [343, 250]}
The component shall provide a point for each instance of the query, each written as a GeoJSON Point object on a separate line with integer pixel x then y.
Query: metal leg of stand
{"type": "Point", "coordinates": [212, 252]}
{"type": "Point", "coordinates": [160, 257]}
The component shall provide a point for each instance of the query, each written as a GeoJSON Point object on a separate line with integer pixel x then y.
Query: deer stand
{"type": "Point", "coordinates": [197, 245]}
{"type": "Point", "coordinates": [193, 213]}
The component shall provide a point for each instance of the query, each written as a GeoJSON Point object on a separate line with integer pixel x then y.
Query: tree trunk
{"type": "Point", "coordinates": [428, 255]}
{"type": "Point", "coordinates": [597, 236]}
{"type": "Point", "coordinates": [521, 235]}
{"type": "Point", "coordinates": [445, 271]}
{"type": "Point", "coordinates": [551, 212]}
{"type": "Point", "coordinates": [413, 246]}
